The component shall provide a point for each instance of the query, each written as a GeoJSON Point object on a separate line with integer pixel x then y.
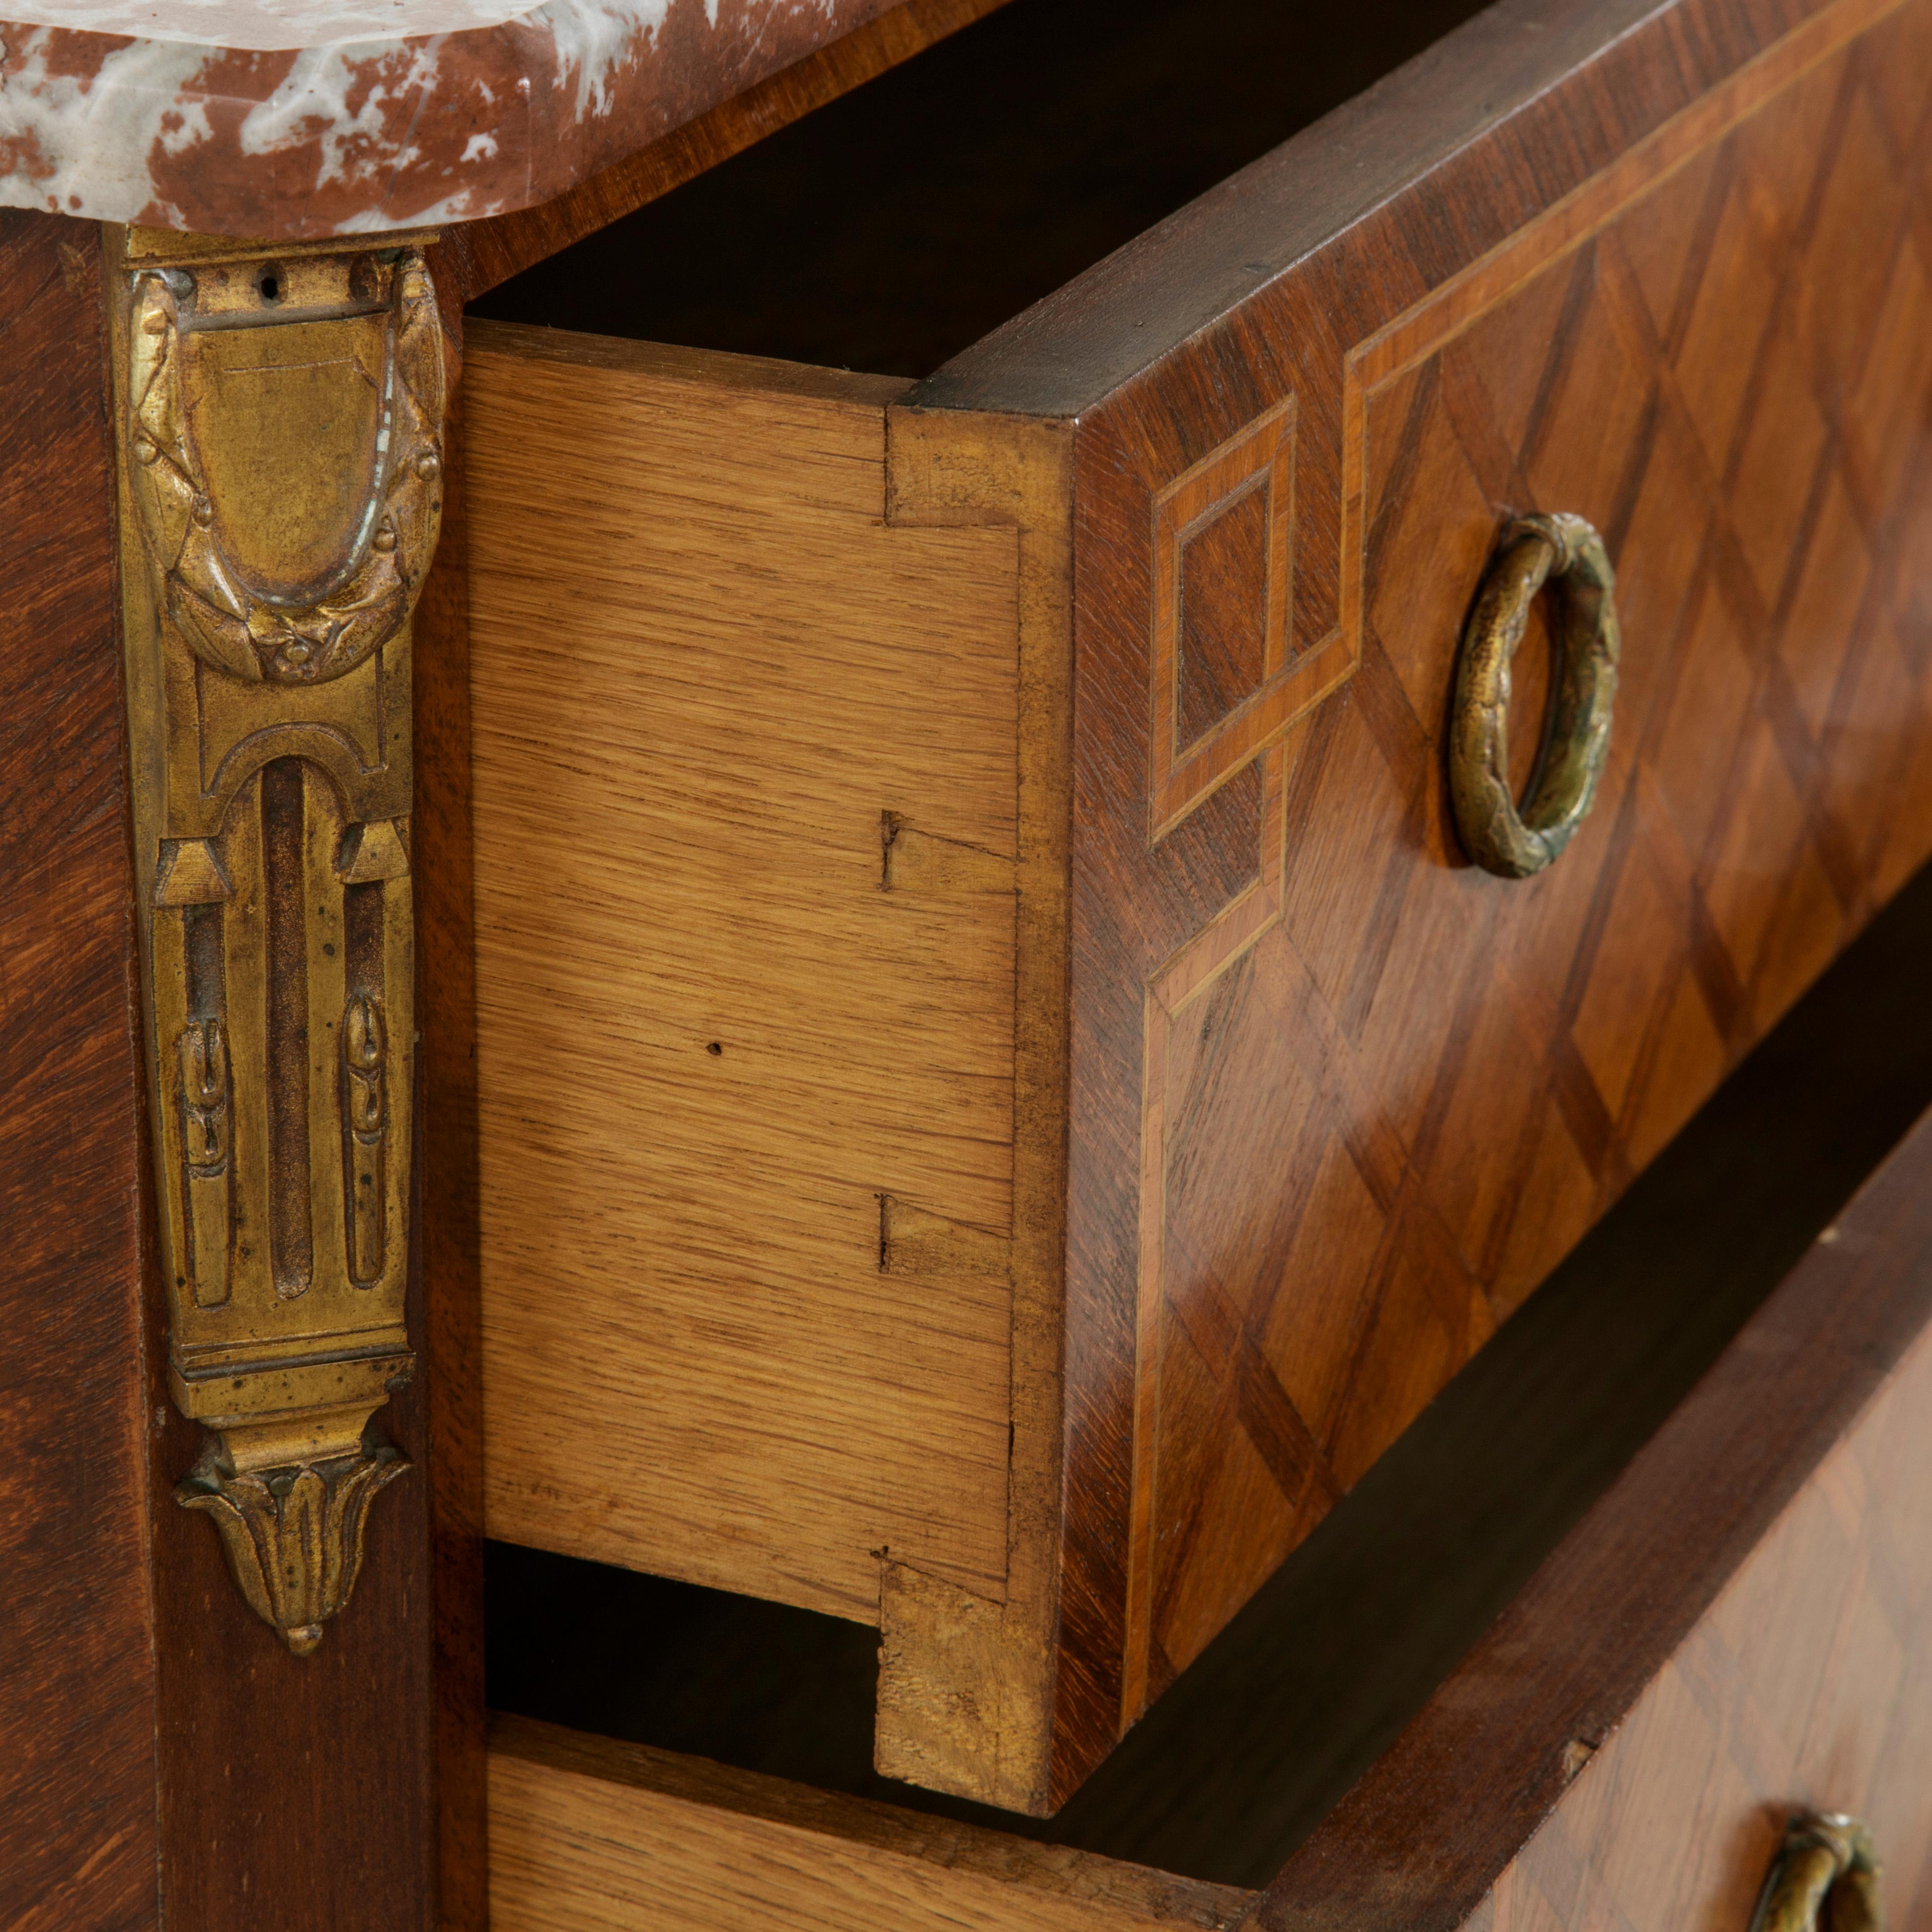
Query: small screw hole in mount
{"type": "Point", "coordinates": [268, 282]}
{"type": "Point", "coordinates": [715, 1049]}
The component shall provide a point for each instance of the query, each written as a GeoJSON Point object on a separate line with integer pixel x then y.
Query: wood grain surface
{"type": "Point", "coordinates": [597, 1836]}
{"type": "Point", "coordinates": [966, 1680]}
{"type": "Point", "coordinates": [1742, 1627]}
{"type": "Point", "coordinates": [77, 1825]}
{"type": "Point", "coordinates": [733, 1075]}
{"type": "Point", "coordinates": [443, 840]}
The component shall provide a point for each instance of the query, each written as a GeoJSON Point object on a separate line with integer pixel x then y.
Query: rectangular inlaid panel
{"type": "Point", "coordinates": [745, 827]}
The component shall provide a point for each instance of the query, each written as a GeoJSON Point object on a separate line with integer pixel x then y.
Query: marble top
{"type": "Point", "coordinates": [299, 118]}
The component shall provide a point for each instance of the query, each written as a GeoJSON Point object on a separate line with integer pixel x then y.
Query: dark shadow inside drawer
{"type": "Point", "coordinates": [1315, 1677]}
{"type": "Point", "coordinates": [892, 229]}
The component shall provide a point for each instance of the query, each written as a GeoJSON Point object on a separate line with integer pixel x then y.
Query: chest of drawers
{"type": "Point", "coordinates": [964, 981]}
{"type": "Point", "coordinates": [1036, 1095]}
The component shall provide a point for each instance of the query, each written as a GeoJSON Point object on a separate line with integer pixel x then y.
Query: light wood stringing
{"type": "Point", "coordinates": [704, 671]}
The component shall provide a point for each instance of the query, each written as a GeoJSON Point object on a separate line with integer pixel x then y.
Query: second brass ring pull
{"type": "Point", "coordinates": [1565, 552]}
{"type": "Point", "coordinates": [1825, 1874]}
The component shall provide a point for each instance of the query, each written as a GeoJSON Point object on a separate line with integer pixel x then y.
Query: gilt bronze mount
{"type": "Point", "coordinates": [279, 418]}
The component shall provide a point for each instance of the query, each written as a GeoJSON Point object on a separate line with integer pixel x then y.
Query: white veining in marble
{"type": "Point", "coordinates": [84, 141]}
{"type": "Point", "coordinates": [89, 136]}
{"type": "Point", "coordinates": [269, 26]}
{"type": "Point", "coordinates": [95, 132]}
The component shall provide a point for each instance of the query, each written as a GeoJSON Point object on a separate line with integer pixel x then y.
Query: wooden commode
{"type": "Point", "coordinates": [964, 965]}
{"type": "Point", "coordinates": [1001, 1090]}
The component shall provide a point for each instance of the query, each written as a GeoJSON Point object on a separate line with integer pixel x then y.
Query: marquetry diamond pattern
{"type": "Point", "coordinates": [1733, 380]}
{"type": "Point", "coordinates": [1807, 1686]}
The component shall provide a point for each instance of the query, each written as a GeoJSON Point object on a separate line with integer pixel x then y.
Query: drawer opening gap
{"type": "Point", "coordinates": [892, 228]}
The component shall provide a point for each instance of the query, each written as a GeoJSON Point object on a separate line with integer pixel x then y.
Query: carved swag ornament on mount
{"type": "Point", "coordinates": [279, 416]}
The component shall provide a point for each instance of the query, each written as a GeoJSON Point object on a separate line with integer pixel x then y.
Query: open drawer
{"type": "Point", "coordinates": [1003, 1091]}
{"type": "Point", "coordinates": [1551, 1662]}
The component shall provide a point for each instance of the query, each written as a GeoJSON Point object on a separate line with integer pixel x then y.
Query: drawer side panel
{"type": "Point", "coordinates": [586, 1834]}
{"type": "Point", "coordinates": [744, 808]}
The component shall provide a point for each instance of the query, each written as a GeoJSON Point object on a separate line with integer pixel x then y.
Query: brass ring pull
{"type": "Point", "coordinates": [1825, 1872]}
{"type": "Point", "coordinates": [1566, 552]}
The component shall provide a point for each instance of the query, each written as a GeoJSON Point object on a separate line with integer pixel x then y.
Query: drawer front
{"type": "Point", "coordinates": [1738, 1633]}
{"type": "Point", "coordinates": [1385, 1090]}
{"type": "Point", "coordinates": [1376, 1091]}
{"type": "Point", "coordinates": [1804, 1690]}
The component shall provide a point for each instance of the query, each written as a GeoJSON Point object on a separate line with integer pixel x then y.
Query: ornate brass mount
{"type": "Point", "coordinates": [1825, 1872]}
{"type": "Point", "coordinates": [1565, 552]}
{"type": "Point", "coordinates": [279, 414]}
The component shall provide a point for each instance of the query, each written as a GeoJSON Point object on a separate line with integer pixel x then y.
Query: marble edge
{"type": "Point", "coordinates": [362, 136]}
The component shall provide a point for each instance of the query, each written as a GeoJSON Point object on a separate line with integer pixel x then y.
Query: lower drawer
{"type": "Point", "coordinates": [1002, 1093]}
{"type": "Point", "coordinates": [587, 1834]}
{"type": "Point", "coordinates": [1739, 1631]}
